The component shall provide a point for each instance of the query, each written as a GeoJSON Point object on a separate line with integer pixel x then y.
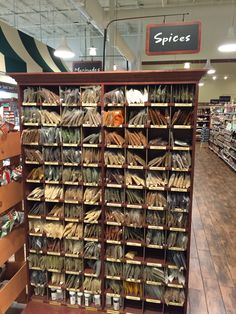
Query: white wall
{"type": "Point", "coordinates": [214, 89]}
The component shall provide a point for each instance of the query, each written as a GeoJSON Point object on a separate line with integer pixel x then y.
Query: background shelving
{"type": "Point", "coordinates": [124, 197]}
{"type": "Point", "coordinates": [223, 133]}
{"type": "Point", "coordinates": [203, 118]}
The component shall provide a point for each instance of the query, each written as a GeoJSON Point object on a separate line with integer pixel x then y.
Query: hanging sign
{"type": "Point", "coordinates": [87, 66]}
{"type": "Point", "coordinates": [6, 87]}
{"type": "Point", "coordinates": [225, 98]}
{"type": "Point", "coordinates": [214, 101]}
{"type": "Point", "coordinates": [173, 38]}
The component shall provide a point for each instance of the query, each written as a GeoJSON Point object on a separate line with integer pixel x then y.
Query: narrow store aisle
{"type": "Point", "coordinates": [213, 247]}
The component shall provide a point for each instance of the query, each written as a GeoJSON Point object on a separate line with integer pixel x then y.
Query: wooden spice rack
{"type": "Point", "coordinates": [12, 244]}
{"type": "Point", "coordinates": [148, 254]}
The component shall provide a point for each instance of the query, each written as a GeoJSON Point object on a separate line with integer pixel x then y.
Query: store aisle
{"type": "Point", "coordinates": [213, 254]}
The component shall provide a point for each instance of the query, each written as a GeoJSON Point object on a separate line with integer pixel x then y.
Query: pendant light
{"type": "Point", "coordinates": [92, 51]}
{"type": "Point", "coordinates": [63, 51]}
{"type": "Point", "coordinates": [209, 67]}
{"type": "Point", "coordinates": [230, 44]}
{"type": "Point", "coordinates": [187, 65]}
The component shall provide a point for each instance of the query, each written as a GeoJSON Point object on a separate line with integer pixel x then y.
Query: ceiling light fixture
{"type": "Point", "coordinates": [214, 77]}
{"type": "Point", "coordinates": [230, 44]}
{"type": "Point", "coordinates": [200, 84]}
{"type": "Point", "coordinates": [92, 51]}
{"type": "Point", "coordinates": [187, 65]}
{"type": "Point", "coordinates": [209, 68]}
{"type": "Point", "coordinates": [225, 77]}
{"type": "Point", "coordinates": [63, 51]}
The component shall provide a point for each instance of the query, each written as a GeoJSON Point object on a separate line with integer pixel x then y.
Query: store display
{"type": "Point", "coordinates": [223, 133]}
{"type": "Point", "coordinates": [203, 122]}
{"type": "Point", "coordinates": [9, 116]}
{"type": "Point", "coordinates": [9, 174]}
{"type": "Point", "coordinates": [9, 221]}
{"type": "Point", "coordinates": [108, 192]}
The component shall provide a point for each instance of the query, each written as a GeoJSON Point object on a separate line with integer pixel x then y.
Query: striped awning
{"type": "Point", "coordinates": [20, 52]}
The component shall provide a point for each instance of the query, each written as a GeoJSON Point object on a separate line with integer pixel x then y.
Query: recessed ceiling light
{"type": "Point", "coordinates": [225, 77]}
{"type": "Point", "coordinates": [200, 84]}
{"type": "Point", "coordinates": [187, 65]}
{"type": "Point", "coordinates": [214, 77]}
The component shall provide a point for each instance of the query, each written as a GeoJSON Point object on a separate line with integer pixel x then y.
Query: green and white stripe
{"type": "Point", "coordinates": [20, 52]}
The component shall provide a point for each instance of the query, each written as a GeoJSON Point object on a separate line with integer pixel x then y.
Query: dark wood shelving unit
{"type": "Point", "coordinates": [134, 293]}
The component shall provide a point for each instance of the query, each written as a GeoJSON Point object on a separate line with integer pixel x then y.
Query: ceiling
{"type": "Point", "coordinates": [48, 20]}
{"type": "Point", "coordinates": [143, 4]}
{"type": "Point", "coordinates": [83, 21]}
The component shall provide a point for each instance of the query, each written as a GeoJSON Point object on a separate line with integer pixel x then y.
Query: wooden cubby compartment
{"type": "Point", "coordinates": [12, 243]}
{"type": "Point", "coordinates": [10, 145]}
{"type": "Point", "coordinates": [10, 195]}
{"type": "Point", "coordinates": [16, 273]}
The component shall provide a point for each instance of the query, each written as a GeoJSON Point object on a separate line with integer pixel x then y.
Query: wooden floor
{"type": "Point", "coordinates": [213, 246]}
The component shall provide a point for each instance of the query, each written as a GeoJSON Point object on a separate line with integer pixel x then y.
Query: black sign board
{"type": "Point", "coordinates": [6, 87]}
{"type": "Point", "coordinates": [214, 101]}
{"type": "Point", "coordinates": [225, 98]}
{"type": "Point", "coordinates": [173, 38]}
{"type": "Point", "coordinates": [87, 66]}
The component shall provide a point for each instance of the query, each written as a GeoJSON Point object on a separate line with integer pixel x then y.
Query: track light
{"type": "Point", "coordinates": [63, 51]}
{"type": "Point", "coordinates": [225, 77]}
{"type": "Point", "coordinates": [114, 67]}
{"type": "Point", "coordinates": [230, 44]}
{"type": "Point", "coordinates": [214, 77]}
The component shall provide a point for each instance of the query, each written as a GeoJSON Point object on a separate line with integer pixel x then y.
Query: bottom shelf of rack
{"type": "Point", "coordinates": [16, 279]}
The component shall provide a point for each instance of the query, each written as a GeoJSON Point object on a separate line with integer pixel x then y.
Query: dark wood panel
{"type": "Point", "coordinates": [104, 77]}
